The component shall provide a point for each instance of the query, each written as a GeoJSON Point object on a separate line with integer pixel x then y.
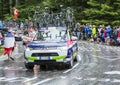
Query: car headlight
{"type": "Point", "coordinates": [27, 49]}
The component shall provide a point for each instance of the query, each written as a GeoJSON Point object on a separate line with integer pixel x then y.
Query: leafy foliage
{"type": "Point", "coordinates": [86, 11]}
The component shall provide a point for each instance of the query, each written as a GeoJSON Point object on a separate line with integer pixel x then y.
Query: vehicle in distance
{"type": "Point", "coordinates": [52, 45]}
{"type": "Point", "coordinates": [28, 35]}
{"type": "Point", "coordinates": [18, 35]}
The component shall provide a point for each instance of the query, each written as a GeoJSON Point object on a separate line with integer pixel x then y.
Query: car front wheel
{"type": "Point", "coordinates": [29, 66]}
{"type": "Point", "coordinates": [69, 64]}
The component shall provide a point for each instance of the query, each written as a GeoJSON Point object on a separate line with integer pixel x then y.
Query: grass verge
{"type": "Point", "coordinates": [1, 50]}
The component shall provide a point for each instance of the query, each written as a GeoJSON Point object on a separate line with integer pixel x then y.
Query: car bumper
{"type": "Point", "coordinates": [44, 62]}
{"type": "Point", "coordinates": [53, 60]}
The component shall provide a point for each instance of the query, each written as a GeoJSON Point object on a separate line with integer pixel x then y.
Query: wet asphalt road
{"type": "Point", "coordinates": [99, 65]}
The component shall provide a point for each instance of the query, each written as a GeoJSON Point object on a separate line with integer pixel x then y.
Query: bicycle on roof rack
{"type": "Point", "coordinates": [47, 17]}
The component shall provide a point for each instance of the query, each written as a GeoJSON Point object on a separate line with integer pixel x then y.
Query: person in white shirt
{"type": "Point", "coordinates": [9, 43]}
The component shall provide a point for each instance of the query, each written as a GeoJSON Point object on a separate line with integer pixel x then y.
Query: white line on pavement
{"type": "Point", "coordinates": [43, 81]}
{"type": "Point", "coordinates": [100, 79]}
{"type": "Point", "coordinates": [2, 78]}
{"type": "Point", "coordinates": [91, 79]}
{"type": "Point", "coordinates": [8, 79]}
{"type": "Point", "coordinates": [63, 77]}
{"type": "Point", "coordinates": [108, 58]}
{"type": "Point", "coordinates": [71, 68]}
{"type": "Point", "coordinates": [80, 78]}
{"type": "Point", "coordinates": [112, 72]}
{"type": "Point", "coordinates": [30, 79]}
{"type": "Point", "coordinates": [105, 80]}
{"type": "Point", "coordinates": [116, 80]}
{"type": "Point", "coordinates": [14, 79]}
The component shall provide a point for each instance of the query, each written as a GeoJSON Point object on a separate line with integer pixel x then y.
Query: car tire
{"type": "Point", "coordinates": [70, 63]}
{"type": "Point", "coordinates": [29, 66]}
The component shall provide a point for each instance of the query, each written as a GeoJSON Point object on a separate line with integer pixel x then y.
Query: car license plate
{"type": "Point", "coordinates": [44, 58]}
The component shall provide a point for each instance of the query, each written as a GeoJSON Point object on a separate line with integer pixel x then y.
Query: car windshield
{"type": "Point", "coordinates": [51, 35]}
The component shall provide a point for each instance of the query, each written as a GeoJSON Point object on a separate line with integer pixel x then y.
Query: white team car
{"type": "Point", "coordinates": [52, 45]}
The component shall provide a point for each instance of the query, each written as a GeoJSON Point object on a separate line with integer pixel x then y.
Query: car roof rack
{"type": "Point", "coordinates": [47, 18]}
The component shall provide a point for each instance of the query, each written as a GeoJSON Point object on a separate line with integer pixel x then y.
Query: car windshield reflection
{"type": "Point", "coordinates": [51, 35]}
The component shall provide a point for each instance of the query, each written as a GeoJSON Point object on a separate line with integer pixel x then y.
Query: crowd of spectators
{"type": "Point", "coordinates": [98, 34]}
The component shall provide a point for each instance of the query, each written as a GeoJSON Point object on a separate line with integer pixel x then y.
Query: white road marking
{"type": "Point", "coordinates": [30, 79]}
{"type": "Point", "coordinates": [80, 78]}
{"type": "Point", "coordinates": [105, 80]}
{"type": "Point", "coordinates": [79, 59]}
{"type": "Point", "coordinates": [100, 80]}
{"type": "Point", "coordinates": [19, 79]}
{"type": "Point", "coordinates": [2, 78]}
{"type": "Point", "coordinates": [8, 79]}
{"type": "Point", "coordinates": [10, 68]}
{"type": "Point", "coordinates": [63, 77]}
{"type": "Point", "coordinates": [112, 72]}
{"type": "Point", "coordinates": [107, 58]}
{"type": "Point", "coordinates": [43, 81]}
{"type": "Point", "coordinates": [116, 80]}
{"type": "Point", "coordinates": [13, 68]}
{"type": "Point", "coordinates": [15, 79]}
{"type": "Point", "coordinates": [91, 79]}
{"type": "Point", "coordinates": [71, 68]}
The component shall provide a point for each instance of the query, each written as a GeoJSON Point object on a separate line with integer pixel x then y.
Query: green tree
{"type": "Point", "coordinates": [101, 12]}
{"type": "Point", "coordinates": [85, 11]}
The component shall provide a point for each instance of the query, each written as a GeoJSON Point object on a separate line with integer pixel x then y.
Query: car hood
{"type": "Point", "coordinates": [42, 44]}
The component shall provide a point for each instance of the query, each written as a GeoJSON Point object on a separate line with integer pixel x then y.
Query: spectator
{"type": "Point", "coordinates": [108, 34]}
{"type": "Point", "coordinates": [78, 30]}
{"type": "Point", "coordinates": [9, 43]}
{"type": "Point", "coordinates": [86, 27]}
{"type": "Point", "coordinates": [94, 33]}
{"type": "Point", "coordinates": [118, 36]}
{"type": "Point", "coordinates": [115, 34]}
{"type": "Point", "coordinates": [103, 35]}
{"type": "Point", "coordinates": [21, 25]}
{"type": "Point", "coordinates": [89, 32]}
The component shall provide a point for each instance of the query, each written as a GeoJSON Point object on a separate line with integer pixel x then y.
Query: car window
{"type": "Point", "coordinates": [51, 35]}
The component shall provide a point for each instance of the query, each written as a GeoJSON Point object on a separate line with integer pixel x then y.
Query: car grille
{"type": "Point", "coordinates": [45, 48]}
{"type": "Point", "coordinates": [44, 61]}
{"type": "Point", "coordinates": [45, 54]}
